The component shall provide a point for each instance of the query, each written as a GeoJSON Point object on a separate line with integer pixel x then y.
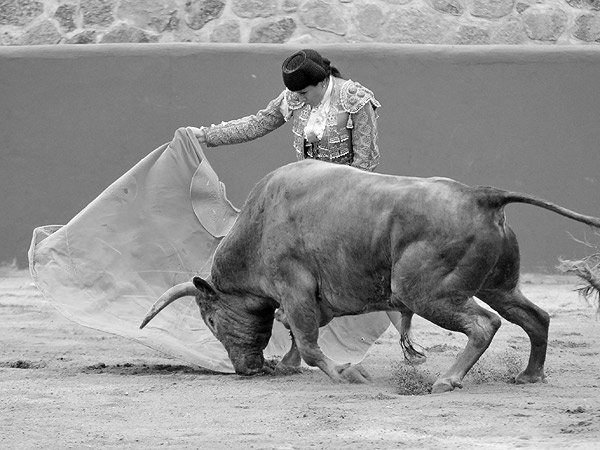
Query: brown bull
{"type": "Point", "coordinates": [320, 240]}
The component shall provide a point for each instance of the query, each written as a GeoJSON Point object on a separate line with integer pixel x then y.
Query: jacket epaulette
{"type": "Point", "coordinates": [353, 96]}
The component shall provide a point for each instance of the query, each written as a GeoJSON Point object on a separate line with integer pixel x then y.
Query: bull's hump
{"type": "Point", "coordinates": [319, 175]}
{"type": "Point", "coordinates": [316, 187]}
{"type": "Point", "coordinates": [326, 191]}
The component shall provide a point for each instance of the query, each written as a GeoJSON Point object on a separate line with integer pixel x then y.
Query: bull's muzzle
{"type": "Point", "coordinates": [248, 364]}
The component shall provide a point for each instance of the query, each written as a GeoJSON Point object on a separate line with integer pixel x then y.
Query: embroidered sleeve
{"type": "Point", "coordinates": [247, 128]}
{"type": "Point", "coordinates": [293, 100]}
{"type": "Point", "coordinates": [364, 138]}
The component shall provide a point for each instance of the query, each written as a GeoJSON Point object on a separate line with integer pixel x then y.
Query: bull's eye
{"type": "Point", "coordinates": [211, 323]}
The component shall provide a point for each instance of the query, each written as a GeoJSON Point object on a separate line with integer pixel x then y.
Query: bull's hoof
{"type": "Point", "coordinates": [445, 385]}
{"type": "Point", "coordinates": [284, 369]}
{"type": "Point", "coordinates": [526, 378]}
{"type": "Point", "coordinates": [292, 359]}
{"type": "Point", "coordinates": [354, 374]}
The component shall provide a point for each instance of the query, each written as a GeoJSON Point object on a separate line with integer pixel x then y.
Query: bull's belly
{"type": "Point", "coordinates": [339, 305]}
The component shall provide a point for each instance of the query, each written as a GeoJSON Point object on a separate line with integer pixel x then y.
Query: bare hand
{"type": "Point", "coordinates": [199, 134]}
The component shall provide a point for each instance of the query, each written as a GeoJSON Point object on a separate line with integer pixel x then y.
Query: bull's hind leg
{"type": "Point", "coordinates": [466, 316]}
{"type": "Point", "coordinates": [516, 308]}
{"type": "Point", "coordinates": [438, 286]}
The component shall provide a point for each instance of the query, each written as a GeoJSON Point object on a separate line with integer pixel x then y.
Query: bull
{"type": "Point", "coordinates": [316, 240]}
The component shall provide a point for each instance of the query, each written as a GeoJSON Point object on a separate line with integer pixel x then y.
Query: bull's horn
{"type": "Point", "coordinates": [181, 290]}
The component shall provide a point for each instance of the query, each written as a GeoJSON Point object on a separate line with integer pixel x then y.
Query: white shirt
{"type": "Point", "coordinates": [318, 116]}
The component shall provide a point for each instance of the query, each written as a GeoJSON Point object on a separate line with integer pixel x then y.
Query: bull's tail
{"type": "Point", "coordinates": [497, 198]}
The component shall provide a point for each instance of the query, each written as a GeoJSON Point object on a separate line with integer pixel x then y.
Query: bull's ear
{"type": "Point", "coordinates": [203, 286]}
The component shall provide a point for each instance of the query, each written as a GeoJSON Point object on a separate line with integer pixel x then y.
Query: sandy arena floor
{"type": "Point", "coordinates": [63, 386]}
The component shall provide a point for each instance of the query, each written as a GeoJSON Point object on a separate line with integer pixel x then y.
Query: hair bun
{"type": "Point", "coordinates": [304, 68]}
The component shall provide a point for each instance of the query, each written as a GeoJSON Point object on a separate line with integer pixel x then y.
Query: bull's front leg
{"type": "Point", "coordinates": [301, 313]}
{"type": "Point", "coordinates": [304, 327]}
{"type": "Point", "coordinates": [292, 358]}
{"type": "Point", "coordinates": [340, 373]}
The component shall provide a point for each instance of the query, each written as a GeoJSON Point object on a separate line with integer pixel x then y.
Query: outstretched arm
{"type": "Point", "coordinates": [245, 129]}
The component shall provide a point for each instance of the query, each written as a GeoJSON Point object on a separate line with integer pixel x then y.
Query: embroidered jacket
{"type": "Point", "coordinates": [350, 135]}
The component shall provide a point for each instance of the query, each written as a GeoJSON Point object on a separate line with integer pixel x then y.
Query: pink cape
{"type": "Point", "coordinates": [157, 226]}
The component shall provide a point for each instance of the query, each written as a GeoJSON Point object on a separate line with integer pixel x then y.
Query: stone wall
{"type": "Point", "coordinates": [34, 22]}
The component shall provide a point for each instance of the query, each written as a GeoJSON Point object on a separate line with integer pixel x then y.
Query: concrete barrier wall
{"type": "Point", "coordinates": [74, 118]}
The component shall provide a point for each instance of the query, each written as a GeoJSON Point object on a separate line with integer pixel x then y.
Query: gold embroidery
{"type": "Point", "coordinates": [350, 135]}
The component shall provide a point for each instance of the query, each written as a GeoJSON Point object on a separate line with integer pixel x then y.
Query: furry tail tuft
{"type": "Point", "coordinates": [588, 269]}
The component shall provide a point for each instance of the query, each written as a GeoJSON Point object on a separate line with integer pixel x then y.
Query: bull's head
{"type": "Point", "coordinates": [242, 324]}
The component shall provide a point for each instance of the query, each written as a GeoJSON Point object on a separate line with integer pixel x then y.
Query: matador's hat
{"type": "Point", "coordinates": [304, 68]}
